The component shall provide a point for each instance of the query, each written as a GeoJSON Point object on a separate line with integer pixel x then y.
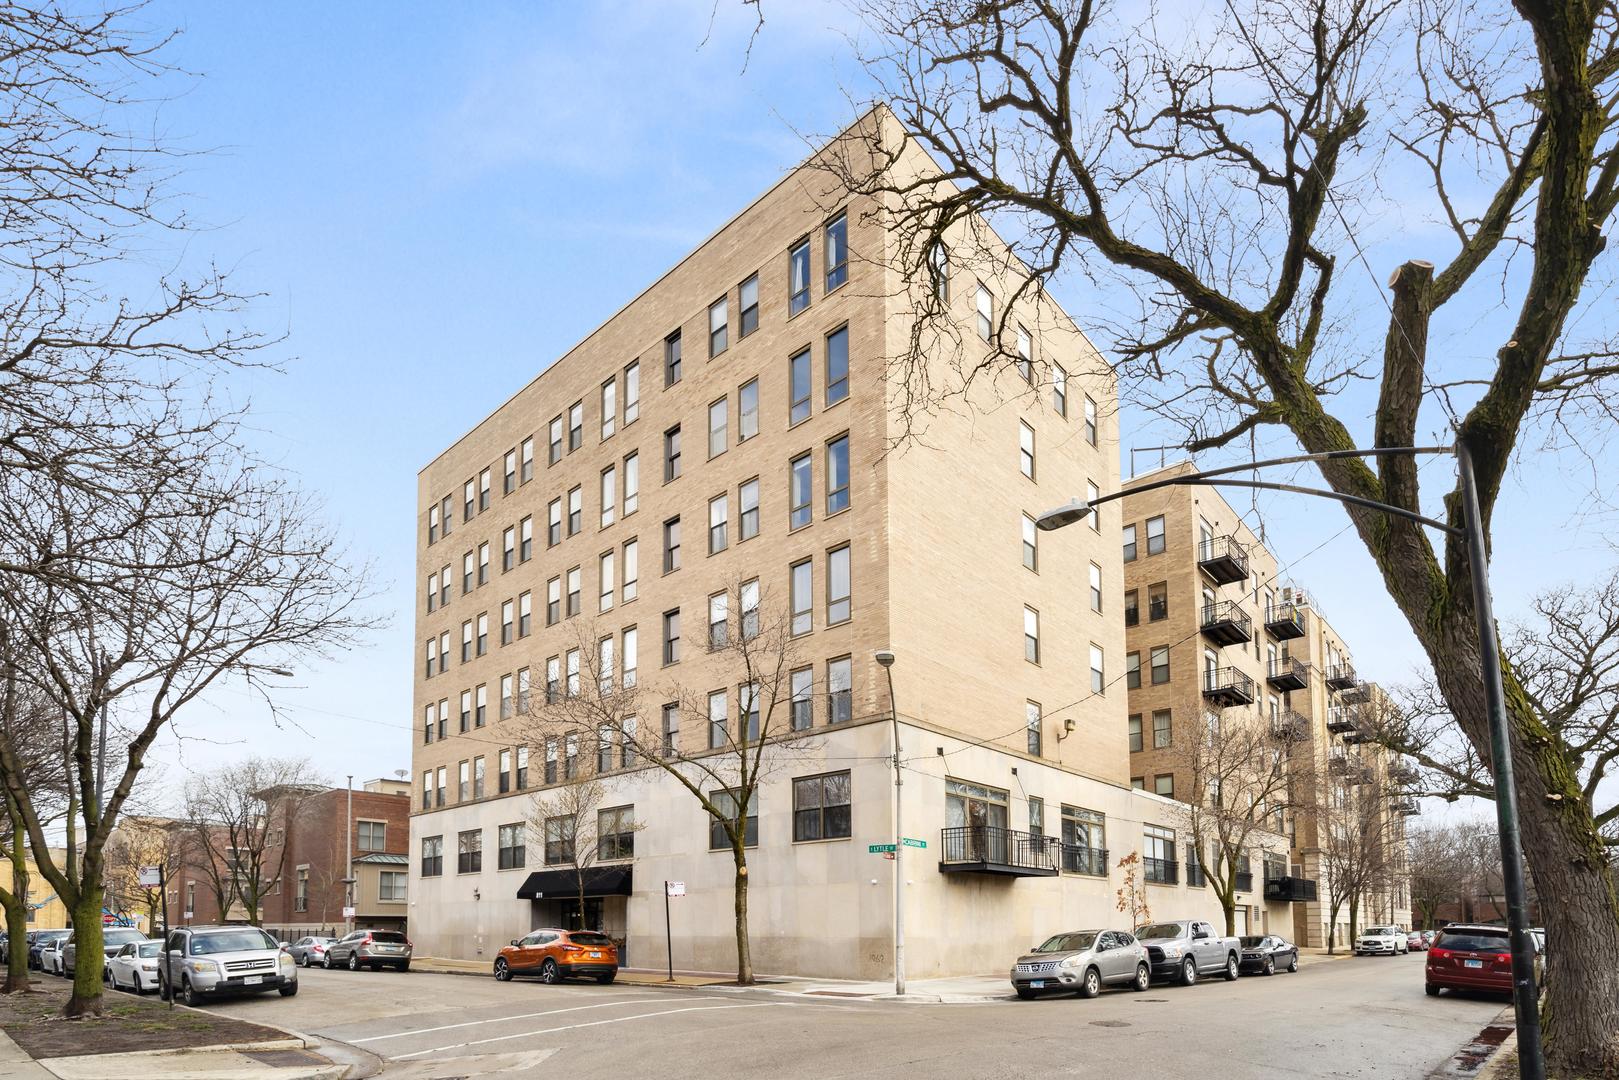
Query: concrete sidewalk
{"type": "Point", "coordinates": [280, 1059]}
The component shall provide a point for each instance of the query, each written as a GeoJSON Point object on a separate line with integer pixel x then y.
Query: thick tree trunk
{"type": "Point", "coordinates": [88, 960]}
{"type": "Point", "coordinates": [1332, 927]}
{"type": "Point", "coordinates": [744, 958]}
{"type": "Point", "coordinates": [1354, 917]}
{"type": "Point", "coordinates": [17, 914]}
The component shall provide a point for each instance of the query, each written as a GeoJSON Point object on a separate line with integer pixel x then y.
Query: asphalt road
{"type": "Point", "coordinates": [1364, 1017]}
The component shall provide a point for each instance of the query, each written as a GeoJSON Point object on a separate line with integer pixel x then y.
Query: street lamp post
{"type": "Point", "coordinates": [886, 659]}
{"type": "Point", "coordinates": [348, 850]}
{"type": "Point", "coordinates": [1531, 1060]}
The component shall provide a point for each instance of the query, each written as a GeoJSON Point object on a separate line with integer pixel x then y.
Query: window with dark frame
{"type": "Point", "coordinates": [798, 388]}
{"type": "Point", "coordinates": [671, 454]}
{"type": "Point", "coordinates": [671, 545]}
{"type": "Point", "coordinates": [432, 856]}
{"type": "Point", "coordinates": [798, 277]}
{"type": "Point", "coordinates": [615, 834]}
{"type": "Point", "coordinates": [632, 392]}
{"type": "Point", "coordinates": [469, 852]}
{"type": "Point", "coordinates": [719, 326]}
{"type": "Point", "coordinates": [800, 473]}
{"type": "Point", "coordinates": [821, 807]}
{"type": "Point", "coordinates": [725, 802]}
{"type": "Point", "coordinates": [837, 365]}
{"type": "Point", "coordinates": [837, 475]}
{"type": "Point", "coordinates": [748, 303]}
{"type": "Point", "coordinates": [837, 251]}
{"type": "Point", "coordinates": [671, 359]}
{"type": "Point", "coordinates": [512, 849]}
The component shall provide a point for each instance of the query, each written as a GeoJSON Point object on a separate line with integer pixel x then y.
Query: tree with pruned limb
{"type": "Point", "coordinates": [750, 729]}
{"type": "Point", "coordinates": [566, 821]}
{"type": "Point", "coordinates": [1217, 173]}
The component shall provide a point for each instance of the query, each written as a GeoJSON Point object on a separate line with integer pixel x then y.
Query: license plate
{"type": "Point", "coordinates": [253, 980]}
{"type": "Point", "coordinates": [595, 956]}
{"type": "Point", "coordinates": [1037, 984]}
{"type": "Point", "coordinates": [1474, 963]}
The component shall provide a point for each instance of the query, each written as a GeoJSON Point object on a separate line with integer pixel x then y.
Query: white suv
{"type": "Point", "coordinates": [1382, 939]}
{"type": "Point", "coordinates": [201, 962]}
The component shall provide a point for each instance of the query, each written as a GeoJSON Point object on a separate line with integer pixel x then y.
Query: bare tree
{"type": "Point", "coordinates": [140, 842]}
{"type": "Point", "coordinates": [1219, 171]}
{"type": "Point", "coordinates": [1448, 866]}
{"type": "Point", "coordinates": [567, 822]}
{"type": "Point", "coordinates": [1357, 837]}
{"type": "Point", "coordinates": [749, 730]}
{"type": "Point", "coordinates": [236, 817]}
{"type": "Point", "coordinates": [1131, 898]}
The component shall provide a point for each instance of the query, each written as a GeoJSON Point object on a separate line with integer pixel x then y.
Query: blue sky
{"type": "Point", "coordinates": [440, 200]}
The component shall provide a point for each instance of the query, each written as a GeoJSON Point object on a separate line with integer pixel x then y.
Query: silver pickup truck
{"type": "Point", "coordinates": [1187, 948]}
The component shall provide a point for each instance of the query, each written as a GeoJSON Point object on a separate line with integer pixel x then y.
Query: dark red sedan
{"type": "Point", "coordinates": [1471, 958]}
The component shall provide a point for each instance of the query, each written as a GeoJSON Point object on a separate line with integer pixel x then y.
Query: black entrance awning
{"type": "Point", "coordinates": [564, 884]}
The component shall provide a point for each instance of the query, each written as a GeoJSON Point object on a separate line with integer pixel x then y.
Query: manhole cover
{"type": "Point", "coordinates": [1109, 1023]}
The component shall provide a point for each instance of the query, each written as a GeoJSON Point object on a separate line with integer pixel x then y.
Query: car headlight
{"type": "Point", "coordinates": [202, 966]}
{"type": "Point", "coordinates": [1069, 962]}
{"type": "Point", "coordinates": [1172, 951]}
{"type": "Point", "coordinates": [286, 959]}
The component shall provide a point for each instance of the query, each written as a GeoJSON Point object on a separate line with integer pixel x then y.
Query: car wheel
{"type": "Point", "coordinates": [1092, 984]}
{"type": "Point", "coordinates": [354, 961]}
{"type": "Point", "coordinates": [1293, 965]}
{"type": "Point", "coordinates": [1431, 990]}
{"type": "Point", "coordinates": [606, 980]}
{"type": "Point", "coordinates": [137, 987]}
{"type": "Point", "coordinates": [303, 961]}
{"type": "Point", "coordinates": [404, 967]}
{"type": "Point", "coordinates": [549, 972]}
{"type": "Point", "coordinates": [1143, 978]}
{"type": "Point", "coordinates": [374, 966]}
{"type": "Point", "coordinates": [503, 973]}
{"type": "Point", "coordinates": [1025, 994]}
{"type": "Point", "coordinates": [1188, 971]}
{"type": "Point", "coordinates": [326, 961]}
{"type": "Point", "coordinates": [1232, 968]}
{"type": "Point", "coordinates": [1270, 966]}
{"type": "Point", "coordinates": [163, 989]}
{"type": "Point", "coordinates": [289, 991]}
{"type": "Point", "coordinates": [189, 995]}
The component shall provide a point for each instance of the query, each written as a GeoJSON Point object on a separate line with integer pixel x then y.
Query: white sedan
{"type": "Point", "coordinates": [134, 967]}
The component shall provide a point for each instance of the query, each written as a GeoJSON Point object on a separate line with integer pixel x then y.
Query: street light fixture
{"type": "Point", "coordinates": [1531, 1062]}
{"type": "Point", "coordinates": [885, 658]}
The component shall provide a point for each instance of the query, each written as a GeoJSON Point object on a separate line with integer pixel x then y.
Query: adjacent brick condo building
{"type": "Point", "coordinates": [736, 423]}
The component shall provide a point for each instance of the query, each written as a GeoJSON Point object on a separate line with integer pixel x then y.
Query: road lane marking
{"type": "Point", "coordinates": [503, 1019]}
{"type": "Point", "coordinates": [591, 1023]}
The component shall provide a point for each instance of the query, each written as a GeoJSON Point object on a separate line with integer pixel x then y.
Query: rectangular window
{"type": "Point", "coordinates": [671, 454]}
{"type": "Point", "coordinates": [1096, 587]}
{"type": "Point", "coordinates": [480, 711]}
{"type": "Point", "coordinates": [1135, 733]}
{"type": "Point", "coordinates": [559, 840]}
{"type": "Point", "coordinates": [551, 756]}
{"type": "Point", "coordinates": [507, 701]}
{"type": "Point", "coordinates": [1031, 635]}
{"type": "Point", "coordinates": [508, 476]}
{"type": "Point", "coordinates": [553, 535]}
{"type": "Point", "coordinates": [371, 835]}
{"type": "Point", "coordinates": [508, 613]}
{"type": "Point", "coordinates": [821, 807]}
{"type": "Point", "coordinates": [837, 252]}
{"type": "Point", "coordinates": [508, 548]}
{"type": "Point", "coordinates": [553, 679]}
{"type": "Point", "coordinates": [483, 563]}
{"type": "Point", "coordinates": [432, 856]}
{"type": "Point", "coordinates": [632, 393]}
{"type": "Point", "coordinates": [839, 690]}
{"type": "Point", "coordinates": [671, 545]}
{"type": "Point", "coordinates": [725, 803]}
{"type": "Point", "coordinates": [1159, 658]}
{"type": "Point", "coordinates": [1155, 535]}
{"type": "Point", "coordinates": [837, 475]}
{"type": "Point", "coordinates": [632, 570]}
{"type": "Point", "coordinates": [748, 302]}
{"type": "Point", "coordinates": [671, 730]}
{"type": "Point", "coordinates": [432, 523]}
{"type": "Point", "coordinates": [750, 609]}
{"type": "Point", "coordinates": [985, 306]}
{"type": "Point", "coordinates": [1033, 726]}
{"type": "Point", "coordinates": [609, 495]}
{"type": "Point", "coordinates": [469, 852]}
{"type": "Point", "coordinates": [604, 581]}
{"type": "Point", "coordinates": [477, 777]}
{"type": "Point", "coordinates": [1129, 543]}
{"type": "Point", "coordinates": [1025, 355]}
{"type": "Point", "coordinates": [466, 642]}
{"type": "Point", "coordinates": [719, 326]}
{"type": "Point", "coordinates": [444, 515]}
{"type": "Point", "coordinates": [609, 402]}
{"type": "Point", "coordinates": [576, 509]}
{"type": "Point", "coordinates": [631, 659]}
{"type": "Point", "coordinates": [1031, 543]}
{"type": "Point", "coordinates": [803, 703]}
{"type": "Point", "coordinates": [748, 711]}
{"type": "Point", "coordinates": [553, 601]}
{"type": "Point", "coordinates": [717, 427]}
{"type": "Point", "coordinates": [526, 452]}
{"type": "Point", "coordinates": [718, 619]}
{"type": "Point", "coordinates": [1092, 493]}
{"type": "Point", "coordinates": [719, 515]}
{"type": "Point", "coordinates": [484, 484]}
{"type": "Point", "coordinates": [468, 568]}
{"type": "Point", "coordinates": [575, 587]}
{"type": "Point", "coordinates": [443, 782]}
{"type": "Point", "coordinates": [718, 715]}
{"type": "Point", "coordinates": [522, 768]}
{"type": "Point", "coordinates": [432, 655]}
{"type": "Point", "coordinates": [748, 504]}
{"type": "Point", "coordinates": [1164, 784]}
{"type": "Point", "coordinates": [1132, 671]}
{"type": "Point", "coordinates": [798, 388]}
{"type": "Point", "coordinates": [747, 410]}
{"type": "Point", "coordinates": [632, 483]}
{"type": "Point", "coordinates": [799, 510]}
{"type": "Point", "coordinates": [802, 592]}
{"type": "Point", "coordinates": [1160, 729]}
{"type": "Point", "coordinates": [512, 853]}
{"type": "Point", "coordinates": [1059, 390]}
{"type": "Point", "coordinates": [1098, 679]}
{"type": "Point", "coordinates": [837, 586]}
{"type": "Point", "coordinates": [570, 661]}
{"type": "Point", "coordinates": [430, 725]}
{"type": "Point", "coordinates": [1090, 420]}
{"type": "Point", "coordinates": [798, 278]}
{"type": "Point", "coordinates": [671, 636]}
{"type": "Point", "coordinates": [1157, 601]}
{"type": "Point", "coordinates": [576, 426]}
{"type": "Point", "coordinates": [837, 365]}
{"type": "Point", "coordinates": [1037, 816]}
{"type": "Point", "coordinates": [1025, 445]}
{"type": "Point", "coordinates": [555, 433]}
{"type": "Point", "coordinates": [522, 690]}
{"type": "Point", "coordinates": [671, 359]}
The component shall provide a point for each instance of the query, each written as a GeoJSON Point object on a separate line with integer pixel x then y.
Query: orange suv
{"type": "Point", "coordinates": [554, 955]}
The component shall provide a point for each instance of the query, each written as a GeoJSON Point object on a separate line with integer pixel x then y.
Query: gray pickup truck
{"type": "Point", "coordinates": [1187, 948]}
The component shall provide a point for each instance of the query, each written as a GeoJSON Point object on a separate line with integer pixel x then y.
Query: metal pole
{"type": "Point", "coordinates": [899, 845]}
{"type": "Point", "coordinates": [348, 846]}
{"type": "Point", "coordinates": [1531, 1060]}
{"type": "Point", "coordinates": [668, 935]}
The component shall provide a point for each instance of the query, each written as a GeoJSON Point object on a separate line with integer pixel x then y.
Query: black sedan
{"type": "Point", "coordinates": [1268, 953]}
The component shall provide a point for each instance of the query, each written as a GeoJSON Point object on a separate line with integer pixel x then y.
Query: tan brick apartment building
{"type": "Point", "coordinates": [733, 423]}
{"type": "Point", "coordinates": [1214, 626]}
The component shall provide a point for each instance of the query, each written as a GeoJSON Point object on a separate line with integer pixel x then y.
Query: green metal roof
{"type": "Point", "coordinates": [384, 858]}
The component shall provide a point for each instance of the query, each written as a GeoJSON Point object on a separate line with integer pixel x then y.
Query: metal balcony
{"type": "Point", "coordinates": [1084, 860]}
{"type": "Point", "coordinates": [1225, 687]}
{"type": "Point", "coordinates": [1354, 737]}
{"type": "Point", "coordinates": [1284, 621]}
{"type": "Point", "coordinates": [1291, 890]}
{"type": "Point", "coordinates": [986, 849]}
{"type": "Point", "coordinates": [1223, 559]}
{"type": "Point", "coordinates": [1340, 677]}
{"type": "Point", "coordinates": [1288, 673]}
{"type": "Point", "coordinates": [1338, 763]}
{"type": "Point", "coordinates": [1362, 775]}
{"type": "Point", "coordinates": [1160, 871]}
{"type": "Point", "coordinates": [1408, 808]}
{"type": "Point", "coordinates": [1356, 694]}
{"type": "Point", "coordinates": [1290, 726]}
{"type": "Point", "coordinates": [1402, 773]}
{"type": "Point", "coordinates": [1341, 720]}
{"type": "Point", "coordinates": [1225, 623]}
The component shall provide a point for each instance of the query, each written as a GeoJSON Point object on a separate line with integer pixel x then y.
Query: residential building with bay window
{"type": "Point", "coordinates": [736, 417]}
{"type": "Point", "coordinates": [1217, 636]}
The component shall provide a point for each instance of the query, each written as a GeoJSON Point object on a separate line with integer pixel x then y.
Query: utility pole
{"type": "Point", "coordinates": [886, 658]}
{"type": "Point", "coordinates": [348, 853]}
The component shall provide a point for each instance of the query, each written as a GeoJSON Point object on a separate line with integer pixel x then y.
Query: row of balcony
{"type": "Point", "coordinates": [989, 849]}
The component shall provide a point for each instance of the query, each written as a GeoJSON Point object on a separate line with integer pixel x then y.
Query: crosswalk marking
{"type": "Point", "coordinates": [503, 1019]}
{"type": "Point", "coordinates": [590, 1023]}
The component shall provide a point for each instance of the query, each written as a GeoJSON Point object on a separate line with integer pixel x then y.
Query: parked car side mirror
{"type": "Point", "coordinates": [1198, 935]}
{"type": "Point", "coordinates": [284, 945]}
{"type": "Point", "coordinates": [1102, 946]}
{"type": "Point", "coordinates": [514, 941]}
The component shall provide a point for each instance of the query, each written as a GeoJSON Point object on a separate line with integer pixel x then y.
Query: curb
{"type": "Point", "coordinates": [292, 1042]}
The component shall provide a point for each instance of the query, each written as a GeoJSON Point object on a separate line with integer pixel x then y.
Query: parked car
{"type": "Point", "coordinates": [202, 962]}
{"type": "Point", "coordinates": [1187, 948]}
{"type": "Point", "coordinates": [1416, 942]}
{"type": "Point", "coordinates": [369, 948]}
{"type": "Point", "coordinates": [1268, 952]}
{"type": "Point", "coordinates": [555, 954]}
{"type": "Point", "coordinates": [37, 940]}
{"type": "Point", "coordinates": [1540, 939]}
{"type": "Point", "coordinates": [50, 957]}
{"type": "Point", "coordinates": [1083, 961]}
{"type": "Point", "coordinates": [134, 966]}
{"type": "Point", "coordinates": [1381, 939]}
{"type": "Point", "coordinates": [310, 950]}
{"type": "Point", "coordinates": [1469, 957]}
{"type": "Point", "coordinates": [113, 938]}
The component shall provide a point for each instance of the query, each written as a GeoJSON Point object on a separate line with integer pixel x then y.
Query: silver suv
{"type": "Point", "coordinates": [202, 962]}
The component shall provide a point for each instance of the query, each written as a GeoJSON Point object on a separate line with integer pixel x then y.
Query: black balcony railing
{"type": "Point", "coordinates": [1290, 726]}
{"type": "Point", "coordinates": [1223, 559]}
{"type": "Point", "coordinates": [1288, 673]}
{"type": "Point", "coordinates": [1161, 871]}
{"type": "Point", "coordinates": [1293, 890]}
{"type": "Point", "coordinates": [1356, 694]}
{"type": "Point", "coordinates": [1157, 609]}
{"type": "Point", "coordinates": [1084, 860]}
{"type": "Point", "coordinates": [986, 849]}
{"type": "Point", "coordinates": [1225, 623]}
{"type": "Point", "coordinates": [1195, 877]}
{"type": "Point", "coordinates": [1341, 719]}
{"type": "Point", "coordinates": [1340, 676]}
{"type": "Point", "coordinates": [1284, 621]}
{"type": "Point", "coordinates": [1228, 686]}
{"type": "Point", "coordinates": [1245, 881]}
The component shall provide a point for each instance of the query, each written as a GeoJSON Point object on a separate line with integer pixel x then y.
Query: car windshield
{"type": "Point", "coordinates": [231, 941]}
{"type": "Point", "coordinates": [1068, 942]}
{"type": "Point", "coordinates": [1380, 931]}
{"type": "Point", "coordinates": [1252, 942]}
{"type": "Point", "coordinates": [54, 935]}
{"type": "Point", "coordinates": [149, 948]}
{"type": "Point", "coordinates": [121, 937]}
{"type": "Point", "coordinates": [588, 938]}
{"type": "Point", "coordinates": [1473, 941]}
{"type": "Point", "coordinates": [1159, 930]}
